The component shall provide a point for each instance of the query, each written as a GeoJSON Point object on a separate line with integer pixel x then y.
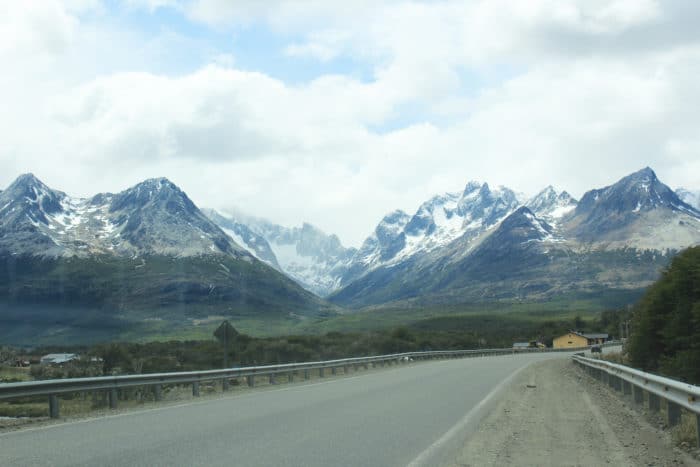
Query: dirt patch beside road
{"type": "Point", "coordinates": [553, 414]}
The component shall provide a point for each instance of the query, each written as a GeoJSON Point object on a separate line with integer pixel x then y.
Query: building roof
{"type": "Point", "coordinates": [521, 344]}
{"type": "Point", "coordinates": [595, 336]}
{"type": "Point", "coordinates": [58, 357]}
{"type": "Point", "coordinates": [588, 335]}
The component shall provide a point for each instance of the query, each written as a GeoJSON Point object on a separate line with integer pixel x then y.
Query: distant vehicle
{"type": "Point", "coordinates": [596, 349]}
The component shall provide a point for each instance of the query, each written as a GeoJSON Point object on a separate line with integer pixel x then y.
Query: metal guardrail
{"type": "Point", "coordinates": [111, 384]}
{"type": "Point", "coordinates": [634, 382]}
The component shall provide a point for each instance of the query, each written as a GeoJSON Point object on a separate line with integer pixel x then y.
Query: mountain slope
{"type": "Point", "coordinates": [145, 253]}
{"type": "Point", "coordinates": [617, 238]}
{"type": "Point", "coordinates": [638, 211]}
{"type": "Point", "coordinates": [550, 205]}
{"type": "Point", "coordinates": [438, 222]}
{"type": "Point", "coordinates": [312, 258]}
{"type": "Point", "coordinates": [689, 197]}
{"type": "Point", "coordinates": [152, 217]}
{"type": "Point", "coordinates": [244, 236]}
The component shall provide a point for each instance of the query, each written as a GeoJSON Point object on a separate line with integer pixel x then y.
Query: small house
{"type": "Point", "coordinates": [575, 339]}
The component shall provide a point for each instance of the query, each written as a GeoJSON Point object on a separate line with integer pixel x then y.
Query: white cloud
{"type": "Point", "coordinates": [519, 93]}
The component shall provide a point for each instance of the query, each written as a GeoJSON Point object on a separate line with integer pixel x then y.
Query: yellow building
{"type": "Point", "coordinates": [572, 340]}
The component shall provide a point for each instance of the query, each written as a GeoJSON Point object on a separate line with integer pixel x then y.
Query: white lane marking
{"type": "Point", "coordinates": [424, 457]}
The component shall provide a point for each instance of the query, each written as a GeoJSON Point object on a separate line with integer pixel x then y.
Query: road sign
{"type": "Point", "coordinates": [225, 332]}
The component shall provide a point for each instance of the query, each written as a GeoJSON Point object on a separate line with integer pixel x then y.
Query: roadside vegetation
{"type": "Point", "coordinates": [665, 335]}
{"type": "Point", "coordinates": [471, 331]}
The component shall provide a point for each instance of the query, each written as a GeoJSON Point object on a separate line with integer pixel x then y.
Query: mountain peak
{"type": "Point", "coordinates": [639, 191]}
{"type": "Point", "coordinates": [551, 205]}
{"type": "Point", "coordinates": [158, 190]}
{"type": "Point", "coordinates": [485, 190]}
{"type": "Point", "coordinates": [32, 193]}
{"type": "Point", "coordinates": [27, 181]}
{"type": "Point", "coordinates": [471, 186]}
{"type": "Point", "coordinates": [565, 196]}
{"type": "Point", "coordinates": [27, 178]}
{"type": "Point", "coordinates": [646, 172]}
{"type": "Point", "coordinates": [157, 185]}
{"type": "Point", "coordinates": [621, 204]}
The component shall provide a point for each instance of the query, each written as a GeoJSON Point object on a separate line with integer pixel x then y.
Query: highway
{"type": "Point", "coordinates": [417, 414]}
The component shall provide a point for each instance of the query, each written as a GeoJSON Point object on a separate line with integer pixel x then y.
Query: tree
{"type": "Point", "coordinates": [666, 322]}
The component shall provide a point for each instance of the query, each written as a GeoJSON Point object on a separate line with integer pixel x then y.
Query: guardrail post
{"type": "Point", "coordinates": [697, 427]}
{"type": "Point", "coordinates": [346, 369]}
{"type": "Point", "coordinates": [290, 376]}
{"type": "Point", "coordinates": [251, 381]}
{"type": "Point", "coordinates": [321, 373]}
{"type": "Point", "coordinates": [306, 374]}
{"type": "Point", "coordinates": [158, 392]}
{"type": "Point", "coordinates": [673, 413]}
{"type": "Point", "coordinates": [272, 379]}
{"type": "Point", "coordinates": [113, 398]}
{"type": "Point", "coordinates": [654, 402]}
{"type": "Point", "coordinates": [195, 389]}
{"type": "Point", "coordinates": [627, 388]}
{"type": "Point", "coordinates": [53, 406]}
{"type": "Point", "coordinates": [638, 395]}
{"type": "Point", "coordinates": [333, 370]}
{"type": "Point", "coordinates": [225, 384]}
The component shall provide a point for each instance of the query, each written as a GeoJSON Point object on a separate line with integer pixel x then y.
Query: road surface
{"type": "Point", "coordinates": [408, 415]}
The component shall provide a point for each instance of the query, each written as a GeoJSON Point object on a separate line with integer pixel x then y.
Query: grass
{"type": "Point", "coordinates": [456, 317]}
{"type": "Point", "coordinates": [687, 431]}
{"type": "Point", "coordinates": [10, 374]}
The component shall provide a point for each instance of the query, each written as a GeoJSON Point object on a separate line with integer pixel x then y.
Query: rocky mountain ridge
{"type": "Point", "coordinates": [314, 259]}
{"type": "Point", "coordinates": [143, 259]}
{"type": "Point", "coordinates": [615, 238]}
{"type": "Point", "coordinates": [690, 197]}
{"type": "Point", "coordinates": [152, 217]}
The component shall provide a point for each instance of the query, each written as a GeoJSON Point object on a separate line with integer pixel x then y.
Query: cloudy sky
{"type": "Point", "coordinates": [336, 112]}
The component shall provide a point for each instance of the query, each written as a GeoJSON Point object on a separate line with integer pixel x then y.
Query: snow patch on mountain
{"type": "Point", "coordinates": [550, 205]}
{"type": "Point", "coordinates": [437, 223]}
{"type": "Point", "coordinates": [153, 217]}
{"type": "Point", "coordinates": [689, 197]}
{"type": "Point", "coordinates": [315, 260]}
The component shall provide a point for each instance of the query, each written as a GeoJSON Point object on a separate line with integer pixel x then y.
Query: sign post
{"type": "Point", "coordinates": [225, 334]}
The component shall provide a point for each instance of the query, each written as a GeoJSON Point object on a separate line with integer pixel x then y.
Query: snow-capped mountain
{"type": "Point", "coordinates": [437, 223]}
{"type": "Point", "coordinates": [550, 205]}
{"type": "Point", "coordinates": [245, 237]}
{"type": "Point", "coordinates": [616, 239]}
{"type": "Point", "coordinates": [146, 251]}
{"type": "Point", "coordinates": [314, 259]}
{"type": "Point", "coordinates": [689, 197]}
{"type": "Point", "coordinates": [639, 211]}
{"type": "Point", "coordinates": [153, 217]}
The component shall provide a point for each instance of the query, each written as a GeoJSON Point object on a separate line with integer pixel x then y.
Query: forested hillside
{"type": "Point", "coordinates": [666, 323]}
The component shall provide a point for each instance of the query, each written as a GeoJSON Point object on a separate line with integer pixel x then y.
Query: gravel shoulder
{"type": "Point", "coordinates": [552, 414]}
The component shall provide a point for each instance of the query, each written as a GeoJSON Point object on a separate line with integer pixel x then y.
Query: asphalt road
{"type": "Point", "coordinates": [414, 414]}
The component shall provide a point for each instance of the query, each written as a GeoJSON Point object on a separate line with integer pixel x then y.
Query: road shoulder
{"type": "Point", "coordinates": [553, 414]}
